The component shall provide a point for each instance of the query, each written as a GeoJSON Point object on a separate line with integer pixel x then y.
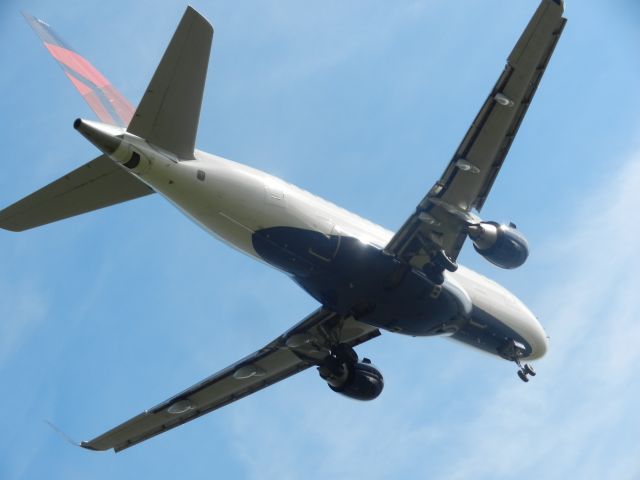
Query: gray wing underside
{"type": "Point", "coordinates": [97, 184]}
{"type": "Point", "coordinates": [303, 346]}
{"type": "Point", "coordinates": [441, 218]}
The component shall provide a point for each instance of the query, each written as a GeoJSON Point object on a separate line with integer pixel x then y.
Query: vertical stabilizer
{"type": "Point", "coordinates": [97, 184]}
{"type": "Point", "coordinates": [108, 104]}
{"type": "Point", "coordinates": [169, 111]}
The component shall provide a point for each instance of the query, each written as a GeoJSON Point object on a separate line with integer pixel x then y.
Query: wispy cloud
{"type": "Point", "coordinates": [338, 39]}
{"type": "Point", "coordinates": [563, 426]}
{"type": "Point", "coordinates": [20, 316]}
{"type": "Point", "coordinates": [23, 308]}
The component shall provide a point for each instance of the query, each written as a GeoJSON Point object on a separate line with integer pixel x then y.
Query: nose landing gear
{"type": "Point", "coordinates": [514, 351]}
{"type": "Point", "coordinates": [525, 371]}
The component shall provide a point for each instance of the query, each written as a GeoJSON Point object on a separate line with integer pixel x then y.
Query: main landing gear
{"type": "Point", "coordinates": [525, 371]}
{"type": "Point", "coordinates": [338, 365]}
{"type": "Point", "coordinates": [438, 264]}
{"type": "Point", "coordinates": [346, 375]}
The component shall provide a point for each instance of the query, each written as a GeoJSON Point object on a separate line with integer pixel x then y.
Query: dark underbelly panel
{"type": "Point", "coordinates": [349, 276]}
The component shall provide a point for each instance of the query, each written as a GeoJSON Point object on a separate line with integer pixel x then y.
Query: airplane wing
{"type": "Point", "coordinates": [306, 344]}
{"type": "Point", "coordinates": [441, 219]}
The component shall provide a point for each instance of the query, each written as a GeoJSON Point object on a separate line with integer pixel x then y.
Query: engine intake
{"type": "Point", "coordinates": [502, 245]}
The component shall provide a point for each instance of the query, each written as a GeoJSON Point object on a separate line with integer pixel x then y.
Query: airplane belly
{"type": "Point", "coordinates": [228, 200]}
{"type": "Point", "coordinates": [350, 277]}
{"type": "Point", "coordinates": [251, 212]}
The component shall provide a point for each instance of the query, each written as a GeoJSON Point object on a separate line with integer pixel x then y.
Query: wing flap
{"type": "Point", "coordinates": [97, 184]}
{"type": "Point", "coordinates": [276, 361]}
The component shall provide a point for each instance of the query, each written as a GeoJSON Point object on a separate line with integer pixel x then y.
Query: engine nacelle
{"type": "Point", "coordinates": [361, 381]}
{"type": "Point", "coordinates": [502, 245]}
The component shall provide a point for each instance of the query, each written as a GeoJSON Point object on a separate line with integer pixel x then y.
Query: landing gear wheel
{"type": "Point", "coordinates": [345, 353]}
{"type": "Point", "coordinates": [338, 367]}
{"type": "Point", "coordinates": [528, 369]}
{"type": "Point", "coordinates": [523, 376]}
{"type": "Point", "coordinates": [331, 368]}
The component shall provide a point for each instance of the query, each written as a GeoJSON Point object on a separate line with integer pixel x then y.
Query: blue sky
{"type": "Point", "coordinates": [362, 103]}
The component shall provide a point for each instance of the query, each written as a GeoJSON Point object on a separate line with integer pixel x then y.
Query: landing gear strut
{"type": "Point", "coordinates": [514, 351]}
{"type": "Point", "coordinates": [338, 365]}
{"type": "Point", "coordinates": [525, 371]}
{"type": "Point", "coordinates": [439, 263]}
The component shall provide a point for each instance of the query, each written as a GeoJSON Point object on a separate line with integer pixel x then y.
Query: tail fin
{"type": "Point", "coordinates": [167, 117]}
{"type": "Point", "coordinates": [169, 111]}
{"type": "Point", "coordinates": [108, 104]}
{"type": "Point", "coordinates": [100, 182]}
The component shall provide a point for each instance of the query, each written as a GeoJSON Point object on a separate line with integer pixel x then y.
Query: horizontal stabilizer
{"type": "Point", "coordinates": [97, 184]}
{"type": "Point", "coordinates": [169, 111]}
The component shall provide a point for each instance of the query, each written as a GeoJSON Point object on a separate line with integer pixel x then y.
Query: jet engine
{"type": "Point", "coordinates": [502, 245]}
{"type": "Point", "coordinates": [359, 380]}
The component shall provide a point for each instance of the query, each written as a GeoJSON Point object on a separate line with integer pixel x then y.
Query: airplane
{"type": "Point", "coordinates": [366, 279]}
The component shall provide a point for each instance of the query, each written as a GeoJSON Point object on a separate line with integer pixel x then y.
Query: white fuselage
{"type": "Point", "coordinates": [232, 201]}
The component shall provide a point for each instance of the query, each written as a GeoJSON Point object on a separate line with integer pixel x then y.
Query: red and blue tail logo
{"type": "Point", "coordinates": [107, 103]}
